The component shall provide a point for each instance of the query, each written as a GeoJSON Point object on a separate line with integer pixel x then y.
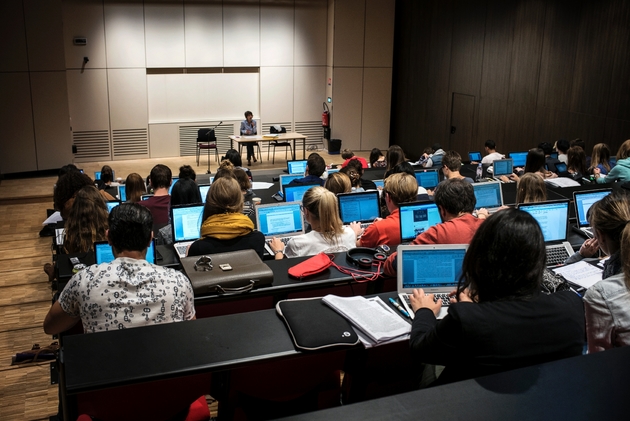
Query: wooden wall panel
{"type": "Point", "coordinates": [13, 51]}
{"type": "Point", "coordinates": [616, 132]}
{"type": "Point", "coordinates": [558, 53]}
{"type": "Point", "coordinates": [467, 48]}
{"type": "Point", "coordinates": [520, 126]}
{"type": "Point", "coordinates": [551, 125]}
{"type": "Point", "coordinates": [497, 57]}
{"type": "Point", "coordinates": [492, 121]}
{"type": "Point", "coordinates": [619, 98]}
{"type": "Point", "coordinates": [589, 128]}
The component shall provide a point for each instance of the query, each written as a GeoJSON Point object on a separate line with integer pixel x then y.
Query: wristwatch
{"type": "Point", "coordinates": [275, 252]}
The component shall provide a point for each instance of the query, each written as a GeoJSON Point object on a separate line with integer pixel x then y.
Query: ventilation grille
{"type": "Point", "coordinates": [314, 131]}
{"type": "Point", "coordinates": [267, 126]}
{"type": "Point", "coordinates": [130, 143]}
{"type": "Point", "coordinates": [188, 137]}
{"type": "Point", "coordinates": [92, 146]}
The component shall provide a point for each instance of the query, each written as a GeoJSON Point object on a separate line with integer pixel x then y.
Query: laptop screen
{"type": "Point", "coordinates": [427, 179]}
{"type": "Point", "coordinates": [279, 219]}
{"type": "Point", "coordinates": [430, 266]}
{"type": "Point", "coordinates": [296, 167]}
{"type": "Point", "coordinates": [553, 218]}
{"type": "Point", "coordinates": [561, 167]}
{"type": "Point", "coordinates": [186, 221]}
{"type": "Point", "coordinates": [379, 183]}
{"type": "Point", "coordinates": [295, 193]}
{"type": "Point", "coordinates": [488, 195]}
{"type": "Point", "coordinates": [518, 158]}
{"type": "Point", "coordinates": [584, 201]}
{"type": "Point", "coordinates": [173, 181]}
{"type": "Point", "coordinates": [474, 156]}
{"type": "Point", "coordinates": [416, 218]}
{"type": "Point", "coordinates": [103, 252]}
{"type": "Point", "coordinates": [97, 175]}
{"type": "Point", "coordinates": [359, 207]}
{"type": "Point", "coordinates": [502, 167]}
{"type": "Point", "coordinates": [122, 193]}
{"type": "Point", "coordinates": [111, 204]}
{"type": "Point", "coordinates": [203, 191]}
{"type": "Point", "coordinates": [287, 178]}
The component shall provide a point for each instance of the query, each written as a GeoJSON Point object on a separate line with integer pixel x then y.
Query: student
{"type": "Point", "coordinates": [328, 234]}
{"type": "Point", "coordinates": [185, 191]}
{"type": "Point", "coordinates": [107, 177]}
{"type": "Point", "coordinates": [186, 171]}
{"type": "Point", "coordinates": [248, 127]}
{"type": "Point", "coordinates": [395, 156]}
{"type": "Point", "coordinates": [234, 157]}
{"type": "Point", "coordinates": [338, 182]}
{"type": "Point", "coordinates": [86, 222]}
{"type": "Point", "coordinates": [355, 178]}
{"type": "Point", "coordinates": [607, 303]}
{"type": "Point", "coordinates": [398, 188]}
{"type": "Point", "coordinates": [562, 146]}
{"type": "Point", "coordinates": [535, 163]}
{"type": "Point", "coordinates": [550, 162]}
{"type": "Point", "coordinates": [451, 164]}
{"type": "Point", "coordinates": [127, 292]}
{"type": "Point", "coordinates": [530, 189]}
{"type": "Point", "coordinates": [135, 187]}
{"type": "Point", "coordinates": [498, 320]}
{"type": "Point", "coordinates": [576, 163]}
{"type": "Point", "coordinates": [434, 159]}
{"type": "Point", "coordinates": [225, 227]}
{"type": "Point", "coordinates": [377, 159]}
{"type": "Point", "coordinates": [621, 171]}
{"type": "Point", "coordinates": [315, 167]}
{"type": "Point", "coordinates": [348, 155]}
{"type": "Point", "coordinates": [159, 204]}
{"type": "Point", "coordinates": [246, 189]}
{"type": "Point", "coordinates": [491, 153]}
{"type": "Point", "coordinates": [600, 159]}
{"type": "Point", "coordinates": [355, 172]}
{"type": "Point", "coordinates": [455, 200]}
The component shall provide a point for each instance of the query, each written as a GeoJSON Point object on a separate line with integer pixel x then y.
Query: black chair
{"type": "Point", "coordinates": [286, 145]}
{"type": "Point", "coordinates": [207, 140]}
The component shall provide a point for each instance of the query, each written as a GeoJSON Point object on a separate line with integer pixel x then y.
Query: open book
{"type": "Point", "coordinates": [372, 318]}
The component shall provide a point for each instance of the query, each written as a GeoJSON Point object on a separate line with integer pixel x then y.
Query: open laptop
{"type": "Point", "coordinates": [97, 175]}
{"type": "Point", "coordinates": [103, 252]}
{"type": "Point", "coordinates": [186, 225]}
{"type": "Point", "coordinates": [363, 207]}
{"type": "Point", "coordinates": [203, 191]}
{"type": "Point", "coordinates": [146, 196]}
{"type": "Point", "coordinates": [111, 204]}
{"type": "Point", "coordinates": [518, 158]}
{"type": "Point", "coordinates": [282, 220]}
{"type": "Point", "coordinates": [173, 181]}
{"type": "Point", "coordinates": [285, 179]}
{"type": "Point", "coordinates": [561, 167]}
{"type": "Point", "coordinates": [436, 268]}
{"type": "Point", "coordinates": [427, 178]}
{"type": "Point", "coordinates": [488, 195]}
{"type": "Point", "coordinates": [502, 167]}
{"type": "Point", "coordinates": [553, 218]}
{"type": "Point", "coordinates": [583, 201]}
{"type": "Point", "coordinates": [122, 193]}
{"type": "Point", "coordinates": [297, 166]}
{"type": "Point", "coordinates": [379, 183]}
{"type": "Point", "coordinates": [474, 156]}
{"type": "Point", "coordinates": [416, 218]}
{"type": "Point", "coordinates": [296, 192]}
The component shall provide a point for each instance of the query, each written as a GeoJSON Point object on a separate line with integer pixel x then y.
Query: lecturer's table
{"type": "Point", "coordinates": [281, 137]}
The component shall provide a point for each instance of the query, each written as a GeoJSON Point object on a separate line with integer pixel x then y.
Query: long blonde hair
{"type": "Point", "coordinates": [322, 204]}
{"type": "Point", "coordinates": [531, 188]}
{"type": "Point", "coordinates": [600, 156]}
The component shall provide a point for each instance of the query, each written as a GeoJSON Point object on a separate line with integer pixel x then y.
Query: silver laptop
{"type": "Point", "coordinates": [203, 191]}
{"type": "Point", "coordinates": [363, 207]}
{"type": "Point", "coordinates": [583, 201]}
{"type": "Point", "coordinates": [488, 195]}
{"type": "Point", "coordinates": [282, 220]}
{"type": "Point", "coordinates": [436, 268]}
{"type": "Point", "coordinates": [502, 167]}
{"type": "Point", "coordinates": [186, 224]}
{"type": "Point", "coordinates": [416, 218]}
{"type": "Point", "coordinates": [553, 218]}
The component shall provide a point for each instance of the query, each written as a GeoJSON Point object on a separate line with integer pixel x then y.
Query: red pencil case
{"type": "Point", "coordinates": [316, 264]}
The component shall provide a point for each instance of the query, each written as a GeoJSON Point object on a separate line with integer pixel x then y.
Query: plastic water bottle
{"type": "Point", "coordinates": [479, 172]}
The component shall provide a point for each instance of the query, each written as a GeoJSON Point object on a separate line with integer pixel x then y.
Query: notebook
{"type": "Point", "coordinates": [488, 195]}
{"type": "Point", "coordinates": [203, 191]}
{"type": "Point", "coordinates": [474, 156]}
{"type": "Point", "coordinates": [111, 204]}
{"type": "Point", "coordinates": [122, 193]}
{"type": "Point", "coordinates": [295, 193]}
{"type": "Point", "coordinates": [427, 178]}
{"type": "Point", "coordinates": [553, 218]}
{"type": "Point", "coordinates": [361, 207]}
{"type": "Point", "coordinates": [416, 218]}
{"type": "Point", "coordinates": [296, 166]}
{"type": "Point", "coordinates": [103, 252]}
{"type": "Point", "coordinates": [518, 158]}
{"type": "Point", "coordinates": [502, 167]}
{"type": "Point", "coordinates": [436, 268]}
{"type": "Point", "coordinates": [282, 220]}
{"type": "Point", "coordinates": [186, 225]}
{"type": "Point", "coordinates": [583, 201]}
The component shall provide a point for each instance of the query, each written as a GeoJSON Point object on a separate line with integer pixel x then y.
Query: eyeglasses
{"type": "Point", "coordinates": [204, 263]}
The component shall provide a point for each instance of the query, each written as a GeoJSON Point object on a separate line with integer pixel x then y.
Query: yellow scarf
{"type": "Point", "coordinates": [225, 226]}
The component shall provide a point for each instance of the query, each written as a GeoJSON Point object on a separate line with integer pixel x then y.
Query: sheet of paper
{"type": "Point", "coordinates": [260, 185]}
{"type": "Point", "coordinates": [53, 219]}
{"type": "Point", "coordinates": [581, 273]}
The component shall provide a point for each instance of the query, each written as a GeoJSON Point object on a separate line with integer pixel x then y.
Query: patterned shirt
{"type": "Point", "coordinates": [127, 293]}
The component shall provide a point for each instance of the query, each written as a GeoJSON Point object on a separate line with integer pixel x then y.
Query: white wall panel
{"type": "Point", "coordinates": [13, 57]}
{"type": "Point", "coordinates": [377, 92]}
{"type": "Point", "coordinates": [276, 94]}
{"type": "Point", "coordinates": [309, 92]}
{"type": "Point", "coordinates": [164, 140]}
{"type": "Point", "coordinates": [202, 97]}
{"type": "Point", "coordinates": [17, 141]}
{"type": "Point", "coordinates": [347, 101]}
{"type": "Point", "coordinates": [276, 34]}
{"type": "Point", "coordinates": [127, 98]}
{"type": "Point", "coordinates": [379, 33]}
{"type": "Point", "coordinates": [204, 34]}
{"type": "Point", "coordinates": [164, 29]}
{"type": "Point", "coordinates": [124, 33]}
{"type": "Point", "coordinates": [84, 18]}
{"type": "Point", "coordinates": [87, 100]}
{"type": "Point", "coordinates": [44, 33]}
{"type": "Point", "coordinates": [310, 32]}
{"type": "Point", "coordinates": [349, 32]}
{"type": "Point", "coordinates": [241, 32]}
{"type": "Point", "coordinates": [52, 119]}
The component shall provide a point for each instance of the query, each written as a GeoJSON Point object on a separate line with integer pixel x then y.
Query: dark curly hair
{"type": "Point", "coordinates": [86, 222]}
{"type": "Point", "coordinates": [130, 227]}
{"type": "Point", "coordinates": [67, 186]}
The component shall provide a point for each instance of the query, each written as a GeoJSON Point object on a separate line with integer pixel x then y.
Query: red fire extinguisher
{"type": "Point", "coordinates": [326, 116]}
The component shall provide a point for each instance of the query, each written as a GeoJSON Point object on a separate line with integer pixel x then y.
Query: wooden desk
{"type": "Point", "coordinates": [281, 137]}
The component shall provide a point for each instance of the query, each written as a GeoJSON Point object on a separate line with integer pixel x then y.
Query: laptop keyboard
{"type": "Point", "coordinates": [556, 255]}
{"type": "Point", "coordinates": [444, 296]}
{"type": "Point", "coordinates": [285, 240]}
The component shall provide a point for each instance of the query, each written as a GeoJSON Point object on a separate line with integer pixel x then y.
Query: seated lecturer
{"type": "Point", "coordinates": [127, 292]}
{"type": "Point", "coordinates": [248, 128]}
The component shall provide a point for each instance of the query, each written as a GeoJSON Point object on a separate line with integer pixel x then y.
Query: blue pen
{"type": "Point", "coordinates": [399, 307]}
{"type": "Point", "coordinates": [577, 293]}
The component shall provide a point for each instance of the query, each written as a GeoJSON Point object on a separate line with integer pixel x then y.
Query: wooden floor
{"type": "Point", "coordinates": [25, 293]}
